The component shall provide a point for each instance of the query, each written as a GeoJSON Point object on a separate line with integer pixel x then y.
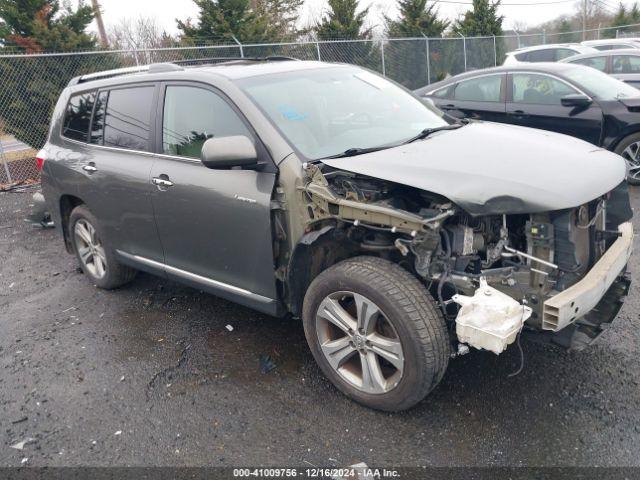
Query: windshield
{"type": "Point", "coordinates": [600, 84]}
{"type": "Point", "coordinates": [328, 111]}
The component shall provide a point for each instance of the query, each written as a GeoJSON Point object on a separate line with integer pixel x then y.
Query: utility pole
{"type": "Point", "coordinates": [584, 20]}
{"type": "Point", "coordinates": [101, 30]}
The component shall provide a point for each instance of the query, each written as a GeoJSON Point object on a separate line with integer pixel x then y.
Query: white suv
{"type": "Point", "coordinates": [612, 43]}
{"type": "Point", "coordinates": [546, 53]}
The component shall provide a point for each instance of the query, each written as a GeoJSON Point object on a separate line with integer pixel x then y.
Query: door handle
{"type": "Point", "coordinates": [162, 182]}
{"type": "Point", "coordinates": [519, 114]}
{"type": "Point", "coordinates": [90, 168]}
{"type": "Point", "coordinates": [448, 106]}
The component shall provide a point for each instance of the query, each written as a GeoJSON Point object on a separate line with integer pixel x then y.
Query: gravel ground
{"type": "Point", "coordinates": [150, 375]}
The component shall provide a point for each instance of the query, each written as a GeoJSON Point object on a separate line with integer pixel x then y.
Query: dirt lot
{"type": "Point", "coordinates": [150, 375]}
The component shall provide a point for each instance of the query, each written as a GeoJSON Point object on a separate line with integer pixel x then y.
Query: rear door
{"type": "Point", "coordinates": [534, 100]}
{"type": "Point", "coordinates": [215, 225]}
{"type": "Point", "coordinates": [626, 68]}
{"type": "Point", "coordinates": [481, 98]}
{"type": "Point", "coordinates": [117, 172]}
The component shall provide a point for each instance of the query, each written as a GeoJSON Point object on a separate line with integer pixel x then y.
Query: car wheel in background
{"type": "Point", "coordinates": [96, 259]}
{"type": "Point", "coordinates": [629, 149]}
{"type": "Point", "coordinates": [376, 333]}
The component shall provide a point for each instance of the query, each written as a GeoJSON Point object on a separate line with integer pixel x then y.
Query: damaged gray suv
{"type": "Point", "coordinates": [400, 238]}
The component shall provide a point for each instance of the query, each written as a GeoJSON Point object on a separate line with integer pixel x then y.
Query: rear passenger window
{"type": "Point", "coordinates": [544, 55]}
{"type": "Point", "coordinates": [482, 89]}
{"type": "Point", "coordinates": [626, 64]}
{"type": "Point", "coordinates": [564, 53]}
{"type": "Point", "coordinates": [78, 116]}
{"type": "Point", "coordinates": [192, 115]}
{"type": "Point", "coordinates": [599, 63]}
{"type": "Point", "coordinates": [128, 118]}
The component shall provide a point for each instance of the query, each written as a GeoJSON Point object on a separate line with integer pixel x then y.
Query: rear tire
{"type": "Point", "coordinates": [629, 149]}
{"type": "Point", "coordinates": [406, 351]}
{"type": "Point", "coordinates": [97, 259]}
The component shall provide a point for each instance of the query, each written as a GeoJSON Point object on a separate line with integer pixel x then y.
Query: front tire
{"type": "Point", "coordinates": [97, 260]}
{"type": "Point", "coordinates": [376, 333]}
{"type": "Point", "coordinates": [629, 149]}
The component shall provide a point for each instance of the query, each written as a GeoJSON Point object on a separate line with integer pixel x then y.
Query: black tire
{"type": "Point", "coordinates": [115, 274]}
{"type": "Point", "coordinates": [407, 305]}
{"type": "Point", "coordinates": [621, 147]}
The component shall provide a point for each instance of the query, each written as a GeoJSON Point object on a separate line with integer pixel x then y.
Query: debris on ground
{"type": "Point", "coordinates": [20, 420]}
{"type": "Point", "coordinates": [21, 445]}
{"type": "Point", "coordinates": [266, 364]}
{"type": "Point", "coordinates": [229, 327]}
{"type": "Point", "coordinates": [119, 432]}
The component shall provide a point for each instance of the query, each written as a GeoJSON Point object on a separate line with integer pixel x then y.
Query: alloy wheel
{"type": "Point", "coordinates": [90, 249]}
{"type": "Point", "coordinates": [631, 154]}
{"type": "Point", "coordinates": [359, 342]}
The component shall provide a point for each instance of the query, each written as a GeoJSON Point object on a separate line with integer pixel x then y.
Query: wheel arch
{"type": "Point", "coordinates": [66, 205]}
{"type": "Point", "coordinates": [315, 252]}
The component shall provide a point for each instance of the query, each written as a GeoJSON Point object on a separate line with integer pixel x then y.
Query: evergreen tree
{"type": "Point", "coordinates": [565, 30]}
{"type": "Point", "coordinates": [417, 19]}
{"type": "Point", "coordinates": [481, 20]}
{"type": "Point", "coordinates": [246, 20]}
{"type": "Point", "coordinates": [623, 16]}
{"type": "Point", "coordinates": [31, 86]}
{"type": "Point", "coordinates": [406, 60]}
{"type": "Point", "coordinates": [343, 22]}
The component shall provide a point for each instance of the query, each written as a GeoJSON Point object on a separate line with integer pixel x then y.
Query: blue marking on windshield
{"type": "Point", "coordinates": [290, 113]}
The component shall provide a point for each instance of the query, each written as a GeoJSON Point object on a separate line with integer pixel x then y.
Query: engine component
{"type": "Point", "coordinates": [489, 320]}
{"type": "Point", "coordinates": [464, 241]}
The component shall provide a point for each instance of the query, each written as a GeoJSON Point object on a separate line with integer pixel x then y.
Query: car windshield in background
{"type": "Point", "coordinates": [600, 84]}
{"type": "Point", "coordinates": [326, 112]}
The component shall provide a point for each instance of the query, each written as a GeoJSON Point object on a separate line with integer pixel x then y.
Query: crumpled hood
{"type": "Point", "coordinates": [490, 168]}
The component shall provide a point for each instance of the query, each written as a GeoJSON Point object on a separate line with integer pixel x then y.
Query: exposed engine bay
{"type": "Point", "coordinates": [491, 275]}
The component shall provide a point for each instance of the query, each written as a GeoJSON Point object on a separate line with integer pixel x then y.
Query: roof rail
{"type": "Point", "coordinates": [153, 68]}
{"type": "Point", "coordinates": [217, 60]}
{"type": "Point", "coordinates": [171, 67]}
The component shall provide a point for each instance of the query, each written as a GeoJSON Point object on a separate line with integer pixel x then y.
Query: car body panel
{"type": "Point", "coordinates": [503, 182]}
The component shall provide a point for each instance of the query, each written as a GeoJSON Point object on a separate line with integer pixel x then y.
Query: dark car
{"type": "Point", "coordinates": [560, 97]}
{"type": "Point", "coordinates": [621, 64]}
{"type": "Point", "coordinates": [329, 193]}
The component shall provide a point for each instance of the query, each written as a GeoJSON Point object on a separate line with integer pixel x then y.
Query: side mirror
{"type": "Point", "coordinates": [227, 152]}
{"type": "Point", "coordinates": [575, 100]}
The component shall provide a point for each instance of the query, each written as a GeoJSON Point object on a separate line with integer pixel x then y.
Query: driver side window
{"type": "Point", "coordinates": [539, 89]}
{"type": "Point", "coordinates": [192, 115]}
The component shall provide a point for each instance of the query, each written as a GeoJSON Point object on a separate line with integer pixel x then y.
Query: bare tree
{"type": "Point", "coordinates": [139, 35]}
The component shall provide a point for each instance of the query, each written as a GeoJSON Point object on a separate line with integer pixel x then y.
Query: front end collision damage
{"type": "Point", "coordinates": [521, 261]}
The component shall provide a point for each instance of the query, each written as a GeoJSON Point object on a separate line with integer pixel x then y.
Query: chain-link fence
{"type": "Point", "coordinates": [31, 84]}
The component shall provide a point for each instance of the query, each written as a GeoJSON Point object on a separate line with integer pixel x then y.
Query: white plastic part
{"type": "Point", "coordinates": [489, 320]}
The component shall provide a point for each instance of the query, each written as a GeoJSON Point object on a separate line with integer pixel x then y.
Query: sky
{"type": "Point", "coordinates": [166, 11]}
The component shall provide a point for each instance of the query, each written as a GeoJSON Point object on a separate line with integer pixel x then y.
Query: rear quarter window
{"type": "Point", "coordinates": [77, 116]}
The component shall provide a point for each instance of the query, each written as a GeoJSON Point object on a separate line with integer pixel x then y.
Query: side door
{"type": "Point", "coordinates": [626, 68]}
{"type": "Point", "coordinates": [116, 166]}
{"type": "Point", "coordinates": [534, 100]}
{"type": "Point", "coordinates": [215, 225]}
{"type": "Point", "coordinates": [480, 98]}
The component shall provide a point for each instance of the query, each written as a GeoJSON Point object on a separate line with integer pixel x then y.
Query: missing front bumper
{"type": "Point", "coordinates": [577, 301]}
